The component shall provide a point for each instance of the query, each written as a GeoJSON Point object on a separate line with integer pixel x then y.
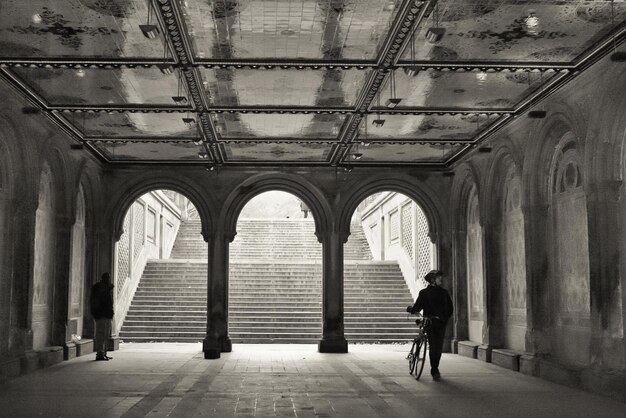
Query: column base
{"type": "Point", "coordinates": [226, 344]}
{"type": "Point", "coordinates": [69, 350]}
{"type": "Point", "coordinates": [211, 348]}
{"type": "Point", "coordinates": [484, 352]}
{"type": "Point", "coordinates": [333, 345]}
{"type": "Point", "coordinates": [113, 343]}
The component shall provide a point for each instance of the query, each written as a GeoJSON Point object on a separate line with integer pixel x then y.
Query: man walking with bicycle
{"type": "Point", "coordinates": [436, 303]}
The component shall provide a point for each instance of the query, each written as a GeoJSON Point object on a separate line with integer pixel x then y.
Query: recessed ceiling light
{"type": "Point", "coordinates": [481, 76]}
{"type": "Point", "coordinates": [532, 21]}
{"type": "Point", "coordinates": [80, 73]}
{"type": "Point", "coordinates": [149, 31]}
{"type": "Point", "coordinates": [36, 19]}
{"type": "Point", "coordinates": [393, 102]}
{"type": "Point", "coordinates": [357, 156]}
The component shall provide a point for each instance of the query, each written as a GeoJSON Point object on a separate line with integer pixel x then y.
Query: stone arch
{"type": "Point", "coordinates": [258, 184]}
{"type": "Point", "coordinates": [431, 206]}
{"type": "Point", "coordinates": [150, 183]}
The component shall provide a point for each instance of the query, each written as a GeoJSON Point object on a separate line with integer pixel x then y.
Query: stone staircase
{"type": "Point", "coordinates": [275, 289]}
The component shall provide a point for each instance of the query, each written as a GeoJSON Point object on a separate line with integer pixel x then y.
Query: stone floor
{"type": "Point", "coordinates": [173, 380]}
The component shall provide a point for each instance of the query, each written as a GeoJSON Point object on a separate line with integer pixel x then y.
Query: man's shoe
{"type": "Point", "coordinates": [107, 357]}
{"type": "Point", "coordinates": [99, 358]}
{"type": "Point", "coordinates": [436, 375]}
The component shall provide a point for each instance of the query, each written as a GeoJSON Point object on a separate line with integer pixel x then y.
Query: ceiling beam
{"type": "Point", "coordinates": [407, 20]}
{"type": "Point", "coordinates": [175, 30]}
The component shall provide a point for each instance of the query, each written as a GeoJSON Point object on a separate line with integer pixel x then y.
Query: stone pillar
{"type": "Point", "coordinates": [458, 271]}
{"type": "Point", "coordinates": [493, 336]}
{"type": "Point", "coordinates": [217, 340]}
{"type": "Point", "coordinates": [333, 338]}
{"type": "Point", "coordinates": [61, 292]}
{"type": "Point", "coordinates": [23, 235]}
{"type": "Point", "coordinates": [538, 318]}
{"type": "Point", "coordinates": [445, 260]}
{"type": "Point", "coordinates": [606, 216]}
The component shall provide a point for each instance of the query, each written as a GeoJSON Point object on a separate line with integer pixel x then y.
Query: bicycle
{"type": "Point", "coordinates": [417, 354]}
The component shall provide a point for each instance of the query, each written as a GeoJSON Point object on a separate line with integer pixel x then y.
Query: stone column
{"type": "Point", "coordinates": [459, 289]}
{"type": "Point", "coordinates": [61, 283]}
{"type": "Point", "coordinates": [445, 262]}
{"type": "Point", "coordinates": [217, 340]}
{"type": "Point", "coordinates": [21, 250]}
{"type": "Point", "coordinates": [536, 223]}
{"type": "Point", "coordinates": [333, 338]}
{"type": "Point", "coordinates": [606, 216]}
{"type": "Point", "coordinates": [493, 283]}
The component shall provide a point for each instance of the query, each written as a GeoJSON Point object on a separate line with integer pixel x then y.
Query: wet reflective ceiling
{"type": "Point", "coordinates": [296, 82]}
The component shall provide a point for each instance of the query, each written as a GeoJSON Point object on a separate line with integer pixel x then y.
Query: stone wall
{"type": "Point", "coordinates": [540, 219]}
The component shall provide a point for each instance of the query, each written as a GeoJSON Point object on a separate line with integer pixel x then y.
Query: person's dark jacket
{"type": "Point", "coordinates": [434, 301]}
{"type": "Point", "coordinates": [102, 301]}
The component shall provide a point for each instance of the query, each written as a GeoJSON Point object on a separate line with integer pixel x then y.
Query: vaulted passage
{"type": "Point", "coordinates": [483, 139]}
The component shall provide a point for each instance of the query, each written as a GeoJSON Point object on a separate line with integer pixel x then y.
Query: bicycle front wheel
{"type": "Point", "coordinates": [420, 357]}
{"type": "Point", "coordinates": [412, 357]}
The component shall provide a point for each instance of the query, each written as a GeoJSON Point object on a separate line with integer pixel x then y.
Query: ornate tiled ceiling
{"type": "Point", "coordinates": [296, 82]}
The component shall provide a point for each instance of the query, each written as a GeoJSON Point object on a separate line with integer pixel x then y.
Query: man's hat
{"type": "Point", "coordinates": [432, 275]}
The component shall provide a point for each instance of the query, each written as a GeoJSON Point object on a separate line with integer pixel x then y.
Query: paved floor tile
{"type": "Point", "coordinates": [174, 380]}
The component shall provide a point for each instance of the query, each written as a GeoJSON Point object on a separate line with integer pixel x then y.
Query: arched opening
{"type": "Point", "coordinates": [569, 286]}
{"type": "Point", "coordinates": [161, 271]}
{"type": "Point", "coordinates": [43, 264]}
{"type": "Point", "coordinates": [386, 256]}
{"type": "Point", "coordinates": [275, 273]}
{"type": "Point", "coordinates": [475, 269]}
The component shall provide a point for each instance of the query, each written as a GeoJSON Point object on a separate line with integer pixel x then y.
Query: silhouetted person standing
{"type": "Point", "coordinates": [437, 305]}
{"type": "Point", "coordinates": [102, 312]}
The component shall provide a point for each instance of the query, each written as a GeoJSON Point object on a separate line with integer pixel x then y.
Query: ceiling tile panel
{"type": "Point", "coordinates": [278, 87]}
{"type": "Point", "coordinates": [126, 124]}
{"type": "Point", "coordinates": [465, 90]}
{"type": "Point", "coordinates": [513, 30]}
{"type": "Point", "coordinates": [77, 28]}
{"type": "Point", "coordinates": [148, 150]}
{"type": "Point", "coordinates": [312, 29]}
{"type": "Point", "coordinates": [95, 86]}
{"type": "Point", "coordinates": [277, 152]}
{"type": "Point", "coordinates": [405, 153]}
{"type": "Point", "coordinates": [427, 127]}
{"type": "Point", "coordinates": [279, 126]}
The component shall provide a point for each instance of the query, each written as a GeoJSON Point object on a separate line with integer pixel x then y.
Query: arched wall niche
{"type": "Point", "coordinates": [570, 267]}
{"type": "Point", "coordinates": [43, 261]}
{"type": "Point", "coordinates": [149, 183]}
{"type": "Point", "coordinates": [464, 186]}
{"type": "Point", "coordinates": [507, 264]}
{"type": "Point", "coordinates": [77, 268]}
{"type": "Point", "coordinates": [425, 198]}
{"type": "Point", "coordinates": [261, 183]}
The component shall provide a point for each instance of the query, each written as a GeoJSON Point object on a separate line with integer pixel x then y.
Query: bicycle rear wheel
{"type": "Point", "coordinates": [420, 357]}
{"type": "Point", "coordinates": [412, 357]}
